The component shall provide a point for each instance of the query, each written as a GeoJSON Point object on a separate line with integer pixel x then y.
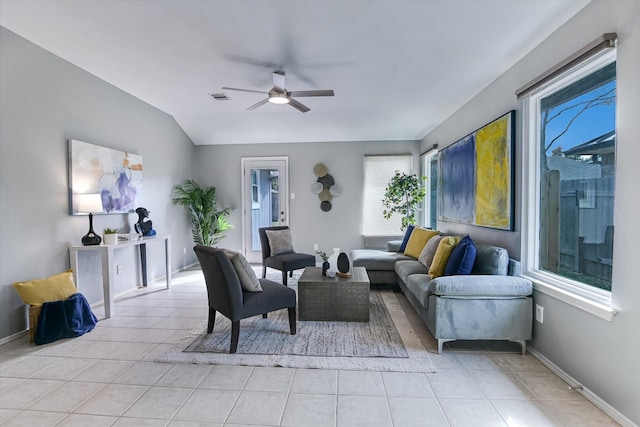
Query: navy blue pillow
{"type": "Point", "coordinates": [462, 258]}
{"type": "Point", "coordinates": [407, 234]}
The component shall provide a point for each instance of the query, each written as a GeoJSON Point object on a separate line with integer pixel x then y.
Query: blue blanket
{"type": "Point", "coordinates": [64, 319]}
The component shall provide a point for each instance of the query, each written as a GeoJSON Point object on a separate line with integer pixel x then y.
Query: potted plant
{"type": "Point", "coordinates": [403, 196]}
{"type": "Point", "coordinates": [110, 236]}
{"type": "Point", "coordinates": [325, 261]}
{"type": "Point", "coordinates": [208, 223]}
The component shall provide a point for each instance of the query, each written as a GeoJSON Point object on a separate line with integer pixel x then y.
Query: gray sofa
{"type": "Point", "coordinates": [492, 303]}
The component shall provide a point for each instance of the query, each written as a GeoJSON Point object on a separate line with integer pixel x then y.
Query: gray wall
{"type": "Point", "coordinates": [341, 227]}
{"type": "Point", "coordinates": [602, 355]}
{"type": "Point", "coordinates": [45, 101]}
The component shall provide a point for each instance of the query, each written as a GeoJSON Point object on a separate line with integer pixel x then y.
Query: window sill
{"type": "Point", "coordinates": [597, 305]}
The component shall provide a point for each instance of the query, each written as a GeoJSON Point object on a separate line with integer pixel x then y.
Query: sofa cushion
{"type": "Point", "coordinates": [407, 234]}
{"type": "Point", "coordinates": [374, 259]}
{"type": "Point", "coordinates": [462, 258]}
{"type": "Point", "coordinates": [482, 286]}
{"type": "Point", "coordinates": [419, 238]}
{"type": "Point", "coordinates": [441, 257]}
{"type": "Point", "coordinates": [421, 287]}
{"type": "Point", "coordinates": [491, 260]}
{"type": "Point", "coordinates": [406, 268]}
{"type": "Point", "coordinates": [429, 251]}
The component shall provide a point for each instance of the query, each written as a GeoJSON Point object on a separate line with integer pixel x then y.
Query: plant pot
{"type": "Point", "coordinates": [325, 267]}
{"type": "Point", "coordinates": [110, 239]}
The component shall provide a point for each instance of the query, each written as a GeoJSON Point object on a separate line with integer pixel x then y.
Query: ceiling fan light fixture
{"type": "Point", "coordinates": [278, 98]}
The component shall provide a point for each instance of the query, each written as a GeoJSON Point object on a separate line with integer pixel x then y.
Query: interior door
{"type": "Point", "coordinates": [265, 187]}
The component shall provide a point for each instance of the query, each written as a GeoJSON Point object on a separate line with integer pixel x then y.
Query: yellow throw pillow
{"type": "Point", "coordinates": [441, 257]}
{"type": "Point", "coordinates": [54, 288]}
{"type": "Point", "coordinates": [419, 238]}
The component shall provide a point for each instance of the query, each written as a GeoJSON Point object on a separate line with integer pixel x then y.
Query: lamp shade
{"type": "Point", "coordinates": [89, 203]}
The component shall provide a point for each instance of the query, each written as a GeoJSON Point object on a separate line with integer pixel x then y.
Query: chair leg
{"type": "Point", "coordinates": [264, 315]}
{"type": "Point", "coordinates": [292, 320]}
{"type": "Point", "coordinates": [235, 333]}
{"type": "Point", "coordinates": [284, 277]}
{"type": "Point", "coordinates": [264, 271]}
{"type": "Point", "coordinates": [291, 273]}
{"type": "Point", "coordinates": [212, 320]}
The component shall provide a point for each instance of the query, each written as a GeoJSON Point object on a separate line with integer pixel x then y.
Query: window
{"type": "Point", "coordinates": [430, 170]}
{"type": "Point", "coordinates": [255, 189]}
{"type": "Point", "coordinates": [378, 171]}
{"type": "Point", "coordinates": [569, 179]}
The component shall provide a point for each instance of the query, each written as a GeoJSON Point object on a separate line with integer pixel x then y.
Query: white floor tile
{"type": "Point", "coordinates": [206, 405]}
{"type": "Point", "coordinates": [471, 413]}
{"type": "Point", "coordinates": [159, 403]}
{"type": "Point", "coordinates": [360, 383]}
{"type": "Point", "coordinates": [258, 407]}
{"type": "Point", "coordinates": [456, 385]}
{"type": "Point", "coordinates": [356, 411]}
{"type": "Point", "coordinates": [227, 377]}
{"type": "Point", "coordinates": [407, 384]}
{"type": "Point", "coordinates": [501, 386]}
{"type": "Point", "coordinates": [143, 373]}
{"type": "Point", "coordinates": [67, 397]}
{"type": "Point", "coordinates": [270, 379]}
{"type": "Point", "coordinates": [28, 391]}
{"type": "Point", "coordinates": [181, 375]}
{"type": "Point", "coordinates": [416, 411]}
{"type": "Point", "coordinates": [525, 412]}
{"type": "Point", "coordinates": [79, 420]}
{"type": "Point", "coordinates": [319, 381]}
{"type": "Point", "coordinates": [114, 400]}
{"type": "Point", "coordinates": [310, 410]}
{"type": "Point", "coordinates": [34, 418]}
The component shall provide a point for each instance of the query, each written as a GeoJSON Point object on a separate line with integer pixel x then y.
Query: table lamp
{"type": "Point", "coordinates": [90, 203]}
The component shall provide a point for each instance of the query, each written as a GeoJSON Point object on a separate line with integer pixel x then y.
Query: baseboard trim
{"type": "Point", "coordinates": [588, 394]}
{"type": "Point", "coordinates": [14, 337]}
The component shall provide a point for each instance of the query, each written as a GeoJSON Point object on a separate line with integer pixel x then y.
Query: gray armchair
{"type": "Point", "coordinates": [227, 296]}
{"type": "Point", "coordinates": [284, 262]}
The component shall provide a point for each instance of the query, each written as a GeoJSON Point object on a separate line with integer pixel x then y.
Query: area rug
{"type": "Point", "coordinates": [387, 343]}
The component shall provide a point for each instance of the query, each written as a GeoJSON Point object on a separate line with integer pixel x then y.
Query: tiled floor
{"type": "Point", "coordinates": [108, 378]}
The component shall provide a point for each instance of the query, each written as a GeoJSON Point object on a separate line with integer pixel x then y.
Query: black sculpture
{"type": "Point", "coordinates": [144, 225]}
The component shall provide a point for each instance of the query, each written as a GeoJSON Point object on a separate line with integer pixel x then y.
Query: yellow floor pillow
{"type": "Point", "coordinates": [55, 288]}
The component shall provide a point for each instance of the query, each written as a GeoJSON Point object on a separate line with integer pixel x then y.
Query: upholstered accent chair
{"type": "Point", "coordinates": [227, 296]}
{"type": "Point", "coordinates": [282, 258]}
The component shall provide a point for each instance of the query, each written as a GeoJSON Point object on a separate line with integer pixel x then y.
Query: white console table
{"type": "Point", "coordinates": [108, 267]}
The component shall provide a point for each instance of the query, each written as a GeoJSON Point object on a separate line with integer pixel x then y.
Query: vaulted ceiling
{"type": "Point", "coordinates": [398, 68]}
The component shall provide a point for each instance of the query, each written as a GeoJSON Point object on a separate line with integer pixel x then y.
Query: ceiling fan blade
{"type": "Point", "coordinates": [259, 104]}
{"type": "Point", "coordinates": [301, 93]}
{"type": "Point", "coordinates": [278, 80]}
{"type": "Point", "coordinates": [298, 106]}
{"type": "Point", "coordinates": [245, 90]}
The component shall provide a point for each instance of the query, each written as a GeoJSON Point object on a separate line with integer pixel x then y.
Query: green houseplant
{"type": "Point", "coordinates": [110, 235]}
{"type": "Point", "coordinates": [208, 223]}
{"type": "Point", "coordinates": [403, 196]}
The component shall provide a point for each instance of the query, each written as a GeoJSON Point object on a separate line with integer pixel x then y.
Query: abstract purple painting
{"type": "Point", "coordinates": [115, 175]}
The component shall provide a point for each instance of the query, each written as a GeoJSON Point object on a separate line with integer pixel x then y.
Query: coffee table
{"type": "Point", "coordinates": [342, 299]}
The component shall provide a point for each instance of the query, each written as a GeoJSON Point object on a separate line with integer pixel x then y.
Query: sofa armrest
{"type": "Point", "coordinates": [394, 245]}
{"type": "Point", "coordinates": [482, 286]}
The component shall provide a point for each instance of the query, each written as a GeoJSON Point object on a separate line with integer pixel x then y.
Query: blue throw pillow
{"type": "Point", "coordinates": [462, 258]}
{"type": "Point", "coordinates": [407, 234]}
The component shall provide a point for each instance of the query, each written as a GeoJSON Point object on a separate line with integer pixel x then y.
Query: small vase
{"type": "Point", "coordinates": [343, 263]}
{"type": "Point", "coordinates": [325, 267]}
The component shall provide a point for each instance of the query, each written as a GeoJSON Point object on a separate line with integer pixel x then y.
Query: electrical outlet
{"type": "Point", "coordinates": [539, 313]}
{"type": "Point", "coordinates": [118, 268]}
{"type": "Point", "coordinates": [315, 246]}
{"type": "Point", "coordinates": [184, 250]}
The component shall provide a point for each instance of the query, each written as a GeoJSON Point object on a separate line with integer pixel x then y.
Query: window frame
{"type": "Point", "coordinates": [389, 233]}
{"type": "Point", "coordinates": [588, 298]}
{"type": "Point", "coordinates": [425, 164]}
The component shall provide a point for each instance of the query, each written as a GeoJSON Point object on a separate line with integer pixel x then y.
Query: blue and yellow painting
{"type": "Point", "coordinates": [476, 177]}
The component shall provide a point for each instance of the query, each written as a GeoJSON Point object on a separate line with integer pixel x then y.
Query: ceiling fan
{"type": "Point", "coordinates": [280, 95]}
